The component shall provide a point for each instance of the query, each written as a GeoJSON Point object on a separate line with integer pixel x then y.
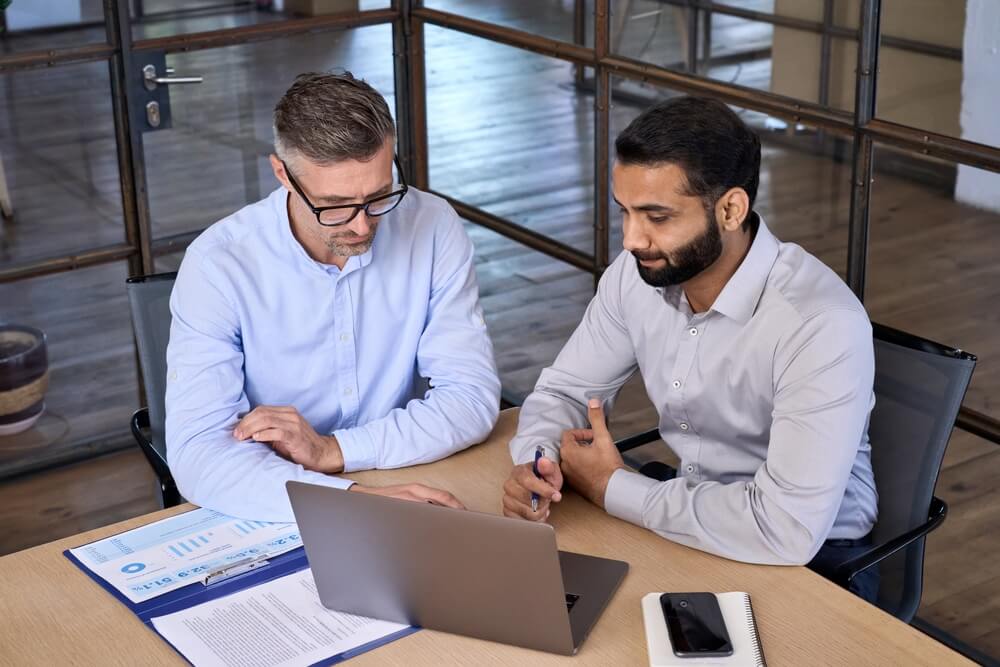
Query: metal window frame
{"type": "Point", "coordinates": [409, 18]}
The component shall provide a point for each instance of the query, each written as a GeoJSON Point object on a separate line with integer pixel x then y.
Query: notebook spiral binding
{"type": "Point", "coordinates": [758, 650]}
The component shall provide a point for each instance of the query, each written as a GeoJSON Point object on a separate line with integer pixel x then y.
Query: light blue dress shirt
{"type": "Point", "coordinates": [256, 321]}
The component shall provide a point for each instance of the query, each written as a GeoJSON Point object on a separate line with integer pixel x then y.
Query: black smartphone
{"type": "Point", "coordinates": [695, 625]}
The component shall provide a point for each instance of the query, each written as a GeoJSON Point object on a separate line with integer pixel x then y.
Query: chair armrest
{"type": "Point", "coordinates": [634, 441]}
{"type": "Point", "coordinates": [847, 571]}
{"type": "Point", "coordinates": [168, 489]}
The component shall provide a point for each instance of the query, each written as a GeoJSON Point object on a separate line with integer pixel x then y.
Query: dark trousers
{"type": "Point", "coordinates": [834, 553]}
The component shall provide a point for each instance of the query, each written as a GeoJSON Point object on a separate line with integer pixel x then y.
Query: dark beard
{"type": "Point", "coordinates": [688, 261]}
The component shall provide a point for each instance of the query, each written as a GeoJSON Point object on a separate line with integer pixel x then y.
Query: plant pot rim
{"type": "Point", "coordinates": [39, 335]}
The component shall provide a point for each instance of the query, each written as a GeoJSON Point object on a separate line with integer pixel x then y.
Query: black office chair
{"type": "Point", "coordinates": [919, 388]}
{"type": "Point", "coordinates": [149, 301]}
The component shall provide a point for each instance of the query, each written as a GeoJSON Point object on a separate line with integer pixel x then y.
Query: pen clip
{"type": "Point", "coordinates": [233, 569]}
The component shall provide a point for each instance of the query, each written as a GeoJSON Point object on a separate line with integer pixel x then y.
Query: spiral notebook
{"type": "Point", "coordinates": [740, 623]}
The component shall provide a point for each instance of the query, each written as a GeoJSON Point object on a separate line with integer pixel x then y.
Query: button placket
{"type": "Point", "coordinates": [346, 352]}
{"type": "Point", "coordinates": [687, 351]}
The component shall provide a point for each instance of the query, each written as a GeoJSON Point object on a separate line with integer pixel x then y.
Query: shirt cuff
{"type": "Point", "coordinates": [527, 454]}
{"type": "Point", "coordinates": [357, 448]}
{"type": "Point", "coordinates": [626, 495]}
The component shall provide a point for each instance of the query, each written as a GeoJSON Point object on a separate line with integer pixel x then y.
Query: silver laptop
{"type": "Point", "coordinates": [458, 571]}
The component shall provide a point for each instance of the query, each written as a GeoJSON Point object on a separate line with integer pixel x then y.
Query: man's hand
{"type": "Point", "coordinates": [291, 436]}
{"type": "Point", "coordinates": [417, 493]}
{"type": "Point", "coordinates": [522, 483]}
{"type": "Point", "coordinates": [589, 456]}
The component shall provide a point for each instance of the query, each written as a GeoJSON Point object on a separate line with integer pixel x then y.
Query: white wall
{"type": "Point", "coordinates": [980, 115]}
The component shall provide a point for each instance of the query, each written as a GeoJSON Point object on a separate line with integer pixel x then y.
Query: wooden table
{"type": "Point", "coordinates": [51, 614]}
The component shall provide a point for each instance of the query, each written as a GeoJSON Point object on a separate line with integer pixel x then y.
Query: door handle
{"type": "Point", "coordinates": [151, 80]}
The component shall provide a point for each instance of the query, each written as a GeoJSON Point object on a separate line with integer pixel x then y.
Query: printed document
{"type": "Point", "coordinates": [280, 622]}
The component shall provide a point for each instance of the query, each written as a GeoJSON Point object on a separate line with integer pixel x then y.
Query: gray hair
{"type": "Point", "coordinates": [331, 117]}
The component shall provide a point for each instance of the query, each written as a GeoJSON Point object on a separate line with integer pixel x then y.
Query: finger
{"type": "Point", "coordinates": [527, 479]}
{"type": "Point", "coordinates": [256, 420]}
{"type": "Point", "coordinates": [579, 435]}
{"type": "Point", "coordinates": [550, 472]}
{"type": "Point", "coordinates": [512, 488]}
{"type": "Point", "coordinates": [441, 497]}
{"type": "Point", "coordinates": [596, 413]}
{"type": "Point", "coordinates": [522, 510]}
{"type": "Point", "coordinates": [270, 435]}
{"type": "Point", "coordinates": [263, 418]}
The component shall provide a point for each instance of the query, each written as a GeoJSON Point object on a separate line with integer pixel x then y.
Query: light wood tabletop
{"type": "Point", "coordinates": [52, 614]}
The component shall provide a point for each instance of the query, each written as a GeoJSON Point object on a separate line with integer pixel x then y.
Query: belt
{"type": "Point", "coordinates": [865, 541]}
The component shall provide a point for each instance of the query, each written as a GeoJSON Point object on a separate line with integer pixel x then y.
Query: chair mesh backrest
{"type": "Point", "coordinates": [919, 387]}
{"type": "Point", "coordinates": [149, 301]}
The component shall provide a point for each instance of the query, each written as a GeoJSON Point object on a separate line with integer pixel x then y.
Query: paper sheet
{"type": "Point", "coordinates": [171, 553]}
{"type": "Point", "coordinates": [281, 622]}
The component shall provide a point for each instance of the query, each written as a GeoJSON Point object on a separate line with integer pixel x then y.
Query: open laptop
{"type": "Point", "coordinates": [458, 571]}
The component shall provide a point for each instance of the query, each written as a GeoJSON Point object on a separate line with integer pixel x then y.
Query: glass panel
{"type": "Point", "coordinates": [960, 577]}
{"type": "Point", "coordinates": [93, 384]}
{"type": "Point", "coordinates": [33, 25]}
{"type": "Point", "coordinates": [735, 50]}
{"type": "Point", "coordinates": [932, 260]}
{"type": "Point", "coordinates": [938, 67]}
{"type": "Point", "coordinates": [549, 18]}
{"type": "Point", "coordinates": [509, 133]}
{"type": "Point", "coordinates": [222, 128]}
{"type": "Point", "coordinates": [532, 304]}
{"type": "Point", "coordinates": [168, 263]}
{"type": "Point", "coordinates": [162, 18]}
{"type": "Point", "coordinates": [804, 192]}
{"type": "Point", "coordinates": [58, 162]}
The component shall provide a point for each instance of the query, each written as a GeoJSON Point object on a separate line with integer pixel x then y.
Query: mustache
{"type": "Point", "coordinates": [648, 256]}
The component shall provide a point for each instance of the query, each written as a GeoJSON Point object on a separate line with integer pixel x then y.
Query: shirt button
{"type": "Point", "coordinates": [677, 384]}
{"type": "Point", "coordinates": [690, 468]}
{"type": "Point", "coordinates": [344, 338]}
{"type": "Point", "coordinates": [684, 426]}
{"type": "Point", "coordinates": [347, 392]}
{"type": "Point", "coordinates": [693, 331]}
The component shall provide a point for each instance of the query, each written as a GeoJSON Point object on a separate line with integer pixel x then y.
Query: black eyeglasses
{"type": "Point", "coordinates": [335, 216]}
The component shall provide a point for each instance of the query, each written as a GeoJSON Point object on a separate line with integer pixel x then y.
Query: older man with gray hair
{"type": "Point", "coordinates": [303, 342]}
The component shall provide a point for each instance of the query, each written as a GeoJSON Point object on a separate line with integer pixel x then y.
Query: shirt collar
{"type": "Point", "coordinates": [353, 263]}
{"type": "Point", "coordinates": [739, 298]}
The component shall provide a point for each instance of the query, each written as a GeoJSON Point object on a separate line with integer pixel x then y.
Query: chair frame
{"type": "Point", "coordinates": [139, 424]}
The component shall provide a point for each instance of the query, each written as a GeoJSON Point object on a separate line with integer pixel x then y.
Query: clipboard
{"type": "Point", "coordinates": [196, 593]}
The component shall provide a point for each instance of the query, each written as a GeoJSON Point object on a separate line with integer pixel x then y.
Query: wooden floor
{"type": "Point", "coordinates": [508, 132]}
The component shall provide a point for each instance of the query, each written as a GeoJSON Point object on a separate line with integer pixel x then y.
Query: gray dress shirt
{"type": "Point", "coordinates": [765, 398]}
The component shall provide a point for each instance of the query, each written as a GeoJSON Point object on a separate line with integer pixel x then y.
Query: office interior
{"type": "Point", "coordinates": [881, 153]}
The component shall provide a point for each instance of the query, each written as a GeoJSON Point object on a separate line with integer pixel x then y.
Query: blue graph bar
{"type": "Point", "coordinates": [194, 543]}
{"type": "Point", "coordinates": [250, 525]}
{"type": "Point", "coordinates": [242, 529]}
{"type": "Point", "coordinates": [260, 523]}
{"type": "Point", "coordinates": [176, 551]}
{"type": "Point", "coordinates": [204, 540]}
{"type": "Point", "coordinates": [186, 547]}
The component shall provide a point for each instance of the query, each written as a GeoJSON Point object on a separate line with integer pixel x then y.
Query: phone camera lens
{"type": "Point", "coordinates": [684, 603]}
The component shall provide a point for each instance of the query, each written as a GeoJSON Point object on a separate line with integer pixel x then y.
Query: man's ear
{"type": "Point", "coordinates": [732, 209]}
{"type": "Point", "coordinates": [279, 171]}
